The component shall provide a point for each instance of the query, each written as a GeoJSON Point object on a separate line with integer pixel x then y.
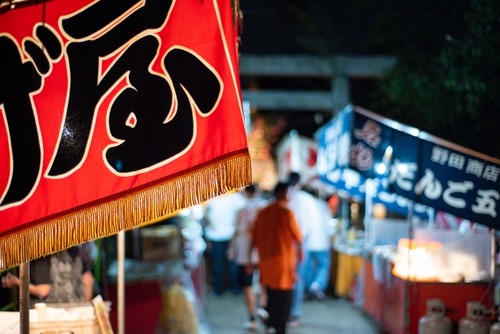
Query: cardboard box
{"type": "Point", "coordinates": [161, 242]}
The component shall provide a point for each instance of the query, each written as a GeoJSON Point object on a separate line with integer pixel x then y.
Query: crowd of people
{"type": "Point", "coordinates": [275, 248]}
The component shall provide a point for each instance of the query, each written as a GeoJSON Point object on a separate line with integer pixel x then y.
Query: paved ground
{"type": "Point", "coordinates": [226, 314]}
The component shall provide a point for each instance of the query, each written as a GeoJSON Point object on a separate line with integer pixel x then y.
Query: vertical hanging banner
{"type": "Point", "coordinates": [113, 115]}
{"type": "Point", "coordinates": [296, 153]}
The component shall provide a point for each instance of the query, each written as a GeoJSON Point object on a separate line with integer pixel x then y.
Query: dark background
{"type": "Point", "coordinates": [445, 81]}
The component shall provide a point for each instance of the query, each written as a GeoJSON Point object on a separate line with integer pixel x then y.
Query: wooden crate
{"type": "Point", "coordinates": [65, 327]}
{"type": "Point", "coordinates": [86, 326]}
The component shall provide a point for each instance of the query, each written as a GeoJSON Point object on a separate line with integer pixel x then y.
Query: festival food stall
{"type": "Point", "coordinates": [114, 116]}
{"type": "Point", "coordinates": [413, 174]}
{"type": "Point", "coordinates": [450, 266]}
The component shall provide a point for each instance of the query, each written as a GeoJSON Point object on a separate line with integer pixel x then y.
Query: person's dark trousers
{"type": "Point", "coordinates": [219, 263]}
{"type": "Point", "coordinates": [278, 307]}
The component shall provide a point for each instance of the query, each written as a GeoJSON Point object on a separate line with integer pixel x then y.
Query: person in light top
{"type": "Point", "coordinates": [220, 217]}
{"type": "Point", "coordinates": [239, 248]}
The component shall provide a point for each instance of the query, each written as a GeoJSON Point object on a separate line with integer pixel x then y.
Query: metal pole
{"type": "Point", "coordinates": [121, 282]}
{"type": "Point", "coordinates": [410, 282]}
{"type": "Point", "coordinates": [24, 298]}
{"type": "Point", "coordinates": [368, 218]}
{"type": "Point", "coordinates": [492, 259]}
{"type": "Point", "coordinates": [346, 221]}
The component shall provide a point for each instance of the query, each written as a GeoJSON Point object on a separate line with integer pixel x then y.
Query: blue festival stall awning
{"type": "Point", "coordinates": [333, 156]}
{"type": "Point", "coordinates": [408, 162]}
{"type": "Point", "coordinates": [334, 168]}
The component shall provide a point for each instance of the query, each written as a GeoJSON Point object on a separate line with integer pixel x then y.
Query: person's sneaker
{"type": "Point", "coordinates": [250, 325]}
{"type": "Point", "coordinates": [315, 290]}
{"type": "Point", "coordinates": [263, 315]}
{"type": "Point", "coordinates": [293, 322]}
{"type": "Point", "coordinates": [318, 294]}
{"type": "Point", "coordinates": [270, 330]}
{"type": "Point", "coordinates": [215, 293]}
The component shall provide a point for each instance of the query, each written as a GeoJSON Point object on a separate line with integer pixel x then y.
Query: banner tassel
{"type": "Point", "coordinates": [127, 211]}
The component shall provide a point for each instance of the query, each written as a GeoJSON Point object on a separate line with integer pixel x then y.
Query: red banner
{"type": "Point", "coordinates": [113, 115]}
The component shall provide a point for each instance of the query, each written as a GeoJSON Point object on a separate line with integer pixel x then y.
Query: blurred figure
{"type": "Point", "coordinates": [317, 247]}
{"type": "Point", "coordinates": [62, 277]}
{"type": "Point", "coordinates": [221, 213]}
{"type": "Point", "coordinates": [278, 239]}
{"type": "Point", "coordinates": [302, 204]}
{"type": "Point", "coordinates": [240, 248]}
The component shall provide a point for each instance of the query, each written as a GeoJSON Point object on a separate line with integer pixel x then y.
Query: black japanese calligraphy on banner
{"type": "Point", "coordinates": [142, 94]}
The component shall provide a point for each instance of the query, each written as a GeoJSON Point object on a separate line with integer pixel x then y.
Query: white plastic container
{"type": "Point", "coordinates": [435, 321]}
{"type": "Point", "coordinates": [474, 321]}
{"type": "Point", "coordinates": [495, 328]}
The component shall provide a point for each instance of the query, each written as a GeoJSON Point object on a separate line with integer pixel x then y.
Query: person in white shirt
{"type": "Point", "coordinates": [240, 249]}
{"type": "Point", "coordinates": [220, 215]}
{"type": "Point", "coordinates": [302, 204]}
{"type": "Point", "coordinates": [317, 266]}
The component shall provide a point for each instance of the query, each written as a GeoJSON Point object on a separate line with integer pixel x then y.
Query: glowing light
{"type": "Point", "coordinates": [403, 168]}
{"type": "Point", "coordinates": [381, 168]}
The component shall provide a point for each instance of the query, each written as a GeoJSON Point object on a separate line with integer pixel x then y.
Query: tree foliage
{"type": "Point", "coordinates": [446, 80]}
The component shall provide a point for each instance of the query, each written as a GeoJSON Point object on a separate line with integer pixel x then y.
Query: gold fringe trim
{"type": "Point", "coordinates": [134, 209]}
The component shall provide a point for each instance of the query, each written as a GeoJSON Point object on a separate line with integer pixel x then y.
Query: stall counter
{"type": "Point", "coordinates": [349, 264]}
{"type": "Point", "coordinates": [397, 304]}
